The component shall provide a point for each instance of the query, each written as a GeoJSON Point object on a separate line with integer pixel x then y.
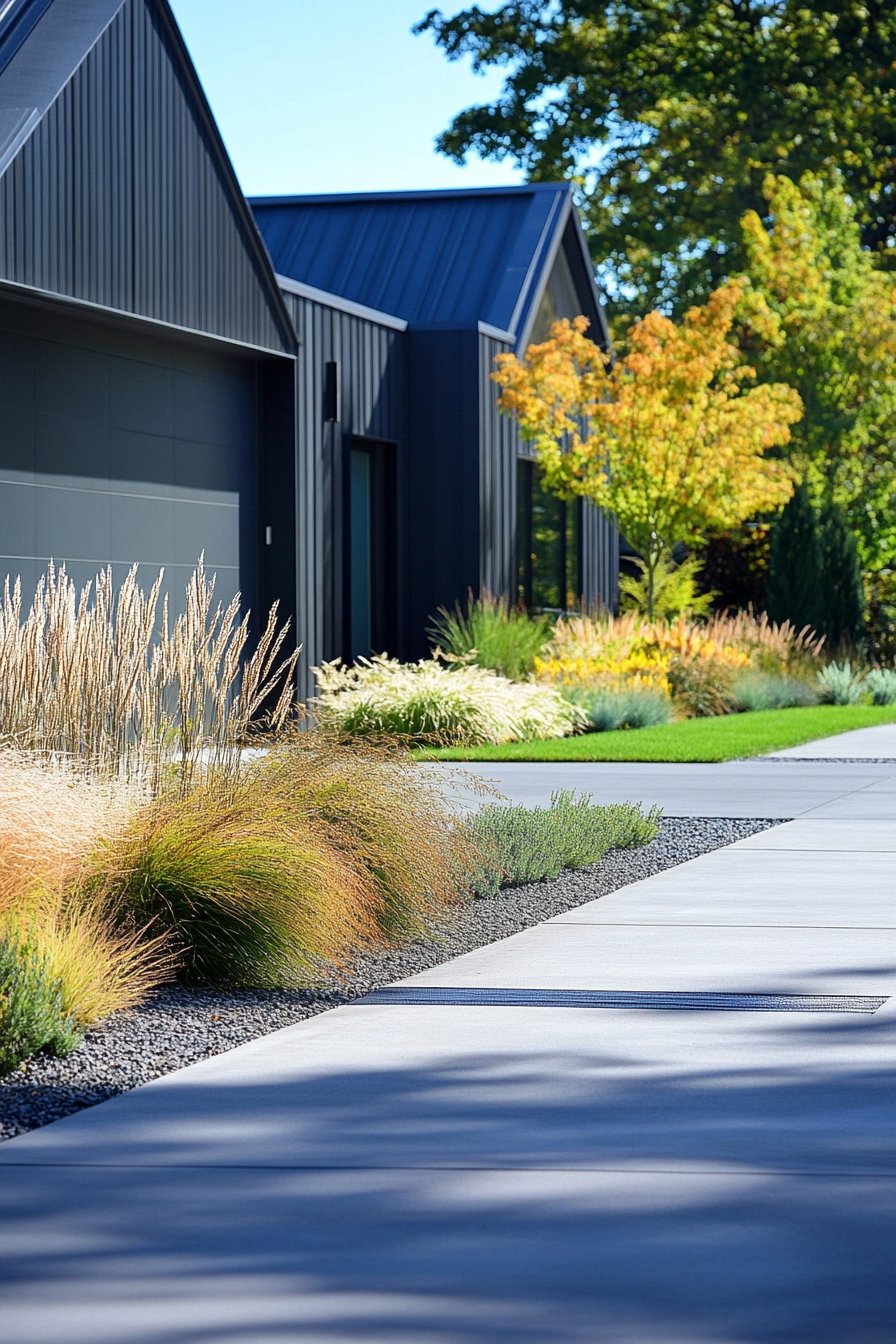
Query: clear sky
{"type": "Point", "coordinates": [316, 97]}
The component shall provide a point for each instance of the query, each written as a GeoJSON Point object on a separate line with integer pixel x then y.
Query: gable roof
{"type": "Point", "coordinates": [435, 258]}
{"type": "Point", "coordinates": [116, 189]}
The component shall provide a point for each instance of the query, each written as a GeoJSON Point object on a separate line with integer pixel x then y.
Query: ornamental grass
{"type": "Point", "coordinates": [65, 962]}
{"type": "Point", "coordinates": [696, 663]}
{"type": "Point", "coordinates": [112, 679]}
{"type": "Point", "coordinates": [428, 703]}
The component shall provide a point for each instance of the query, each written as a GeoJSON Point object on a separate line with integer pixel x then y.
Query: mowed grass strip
{"type": "Point", "coordinates": [725, 738]}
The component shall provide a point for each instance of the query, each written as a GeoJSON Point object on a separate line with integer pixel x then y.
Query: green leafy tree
{"type": "Point", "coordinates": [795, 565]}
{"type": "Point", "coordinates": [670, 113]}
{"type": "Point", "coordinates": [821, 316]}
{"type": "Point", "coordinates": [672, 436]}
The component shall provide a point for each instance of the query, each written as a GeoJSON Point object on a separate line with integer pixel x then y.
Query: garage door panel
{"type": "Point", "coordinates": [141, 397]}
{"type": "Point", "coordinates": [18, 520]}
{"type": "Point", "coordinates": [142, 464]}
{"type": "Point", "coordinates": [211, 471]}
{"type": "Point", "coordinates": [72, 451]}
{"type": "Point", "coordinates": [213, 528]}
{"type": "Point", "coordinates": [142, 528]}
{"type": "Point", "coordinates": [73, 380]}
{"type": "Point", "coordinates": [73, 525]}
{"type": "Point", "coordinates": [124, 447]}
{"type": "Point", "coordinates": [17, 441]}
{"type": "Point", "coordinates": [18, 365]}
{"type": "Point", "coordinates": [214, 407]}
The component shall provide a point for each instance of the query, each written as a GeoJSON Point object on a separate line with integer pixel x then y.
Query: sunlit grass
{"type": "Point", "coordinates": [724, 738]}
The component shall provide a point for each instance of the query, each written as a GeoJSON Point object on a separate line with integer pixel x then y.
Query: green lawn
{"type": "Point", "coordinates": [716, 739]}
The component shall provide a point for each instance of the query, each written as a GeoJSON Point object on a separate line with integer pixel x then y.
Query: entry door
{"type": "Point", "coordinates": [370, 563]}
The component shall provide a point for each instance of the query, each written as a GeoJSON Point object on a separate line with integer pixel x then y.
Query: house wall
{"type": "Point", "coordinates": [499, 448]}
{"type": "Point", "coordinates": [122, 197]}
{"type": "Point", "coordinates": [373, 406]}
{"type": "Point", "coordinates": [444, 521]}
{"type": "Point", "coordinates": [119, 447]}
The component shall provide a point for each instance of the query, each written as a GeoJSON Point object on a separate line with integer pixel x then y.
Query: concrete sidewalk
{"type": "Point", "coordinates": [852, 775]}
{"type": "Point", "coordinates": [456, 1172]}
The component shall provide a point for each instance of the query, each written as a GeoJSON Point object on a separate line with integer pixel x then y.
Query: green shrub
{"type": "Point", "coordinates": [676, 589]}
{"type": "Point", "coordinates": [842, 592]}
{"type": "Point", "coordinates": [492, 634]}
{"type": "Point", "coordinates": [766, 690]}
{"type": "Point", "coordinates": [881, 685]}
{"type": "Point", "coordinates": [608, 710]}
{"type": "Point", "coordinates": [795, 580]}
{"type": "Point", "coordinates": [839, 685]}
{"type": "Point", "coordinates": [32, 1015]}
{"type": "Point", "coordinates": [523, 844]}
{"type": "Point", "coordinates": [427, 703]}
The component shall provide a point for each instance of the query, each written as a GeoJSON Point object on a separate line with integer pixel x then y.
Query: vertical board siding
{"type": "Point", "coordinates": [373, 406]}
{"type": "Point", "coordinates": [119, 198]}
{"type": "Point", "coordinates": [499, 448]}
{"type": "Point", "coordinates": [600, 559]}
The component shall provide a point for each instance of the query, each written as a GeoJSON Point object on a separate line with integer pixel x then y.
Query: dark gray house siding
{"type": "Point", "coordinates": [122, 195]}
{"type": "Point", "coordinates": [499, 448]}
{"type": "Point", "coordinates": [366, 407]}
{"type": "Point", "coordinates": [146, 355]}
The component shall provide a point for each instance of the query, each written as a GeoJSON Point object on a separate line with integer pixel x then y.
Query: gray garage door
{"type": "Point", "coordinates": [117, 448]}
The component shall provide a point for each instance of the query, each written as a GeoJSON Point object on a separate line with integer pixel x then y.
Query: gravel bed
{"type": "Point", "coordinates": [177, 1026]}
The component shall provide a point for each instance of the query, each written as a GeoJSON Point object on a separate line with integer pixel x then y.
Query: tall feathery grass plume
{"type": "Point", "coordinates": [117, 681]}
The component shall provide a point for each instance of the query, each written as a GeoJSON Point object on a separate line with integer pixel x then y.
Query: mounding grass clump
{"type": "Point", "coordinates": [246, 897]}
{"type": "Point", "coordinates": [492, 634]}
{"type": "Point", "coordinates": [528, 844]}
{"type": "Point", "coordinates": [606, 710]}
{"type": "Point", "coordinates": [318, 849]}
{"type": "Point", "coordinates": [32, 1010]}
{"type": "Point", "coordinates": [386, 817]}
{"type": "Point", "coordinates": [772, 690]}
{"type": "Point", "coordinates": [66, 961]}
{"type": "Point", "coordinates": [725, 738]}
{"type": "Point", "coordinates": [426, 702]}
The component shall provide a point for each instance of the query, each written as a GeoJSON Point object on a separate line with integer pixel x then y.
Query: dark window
{"type": "Point", "coordinates": [549, 544]}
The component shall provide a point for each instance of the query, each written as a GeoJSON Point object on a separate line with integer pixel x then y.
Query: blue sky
{"type": "Point", "coordinates": [313, 97]}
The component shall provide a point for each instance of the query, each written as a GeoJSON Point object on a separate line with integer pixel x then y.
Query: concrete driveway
{"type": "Point", "coordinates": [457, 1169]}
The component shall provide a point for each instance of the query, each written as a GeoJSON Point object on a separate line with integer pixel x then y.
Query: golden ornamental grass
{"type": "Point", "coordinates": [53, 815]}
{"type": "Point", "coordinates": [113, 680]}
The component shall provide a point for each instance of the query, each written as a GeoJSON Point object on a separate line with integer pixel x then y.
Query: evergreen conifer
{"type": "Point", "coordinates": [842, 594]}
{"type": "Point", "coordinates": [795, 579]}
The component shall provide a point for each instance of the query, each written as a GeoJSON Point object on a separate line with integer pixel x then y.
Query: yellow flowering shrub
{"type": "Point", "coordinates": [694, 662]}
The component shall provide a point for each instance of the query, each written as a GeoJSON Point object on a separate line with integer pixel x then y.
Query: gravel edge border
{"type": "Point", "coordinates": [176, 1027]}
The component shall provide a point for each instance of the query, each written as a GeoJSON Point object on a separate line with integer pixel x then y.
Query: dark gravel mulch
{"type": "Point", "coordinates": [177, 1026]}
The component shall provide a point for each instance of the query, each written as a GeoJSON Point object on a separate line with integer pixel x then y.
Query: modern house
{"type": "Point", "coordinates": [323, 426]}
{"type": "Point", "coordinates": [421, 489]}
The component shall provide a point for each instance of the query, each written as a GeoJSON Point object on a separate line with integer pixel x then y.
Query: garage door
{"type": "Point", "coordinates": [118, 449]}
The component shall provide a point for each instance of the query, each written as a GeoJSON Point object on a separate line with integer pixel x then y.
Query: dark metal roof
{"type": "Point", "coordinates": [435, 258]}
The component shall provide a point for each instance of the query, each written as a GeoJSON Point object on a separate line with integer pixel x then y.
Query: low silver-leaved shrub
{"type": "Point", "coordinates": [426, 702]}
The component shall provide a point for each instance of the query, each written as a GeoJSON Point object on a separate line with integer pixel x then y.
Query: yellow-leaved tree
{"type": "Point", "coordinates": [671, 436]}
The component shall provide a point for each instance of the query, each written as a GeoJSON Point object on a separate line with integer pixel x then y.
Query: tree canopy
{"type": "Point", "coordinates": [671, 437]}
{"type": "Point", "coordinates": [670, 113]}
{"type": "Point", "coordinates": [822, 317]}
